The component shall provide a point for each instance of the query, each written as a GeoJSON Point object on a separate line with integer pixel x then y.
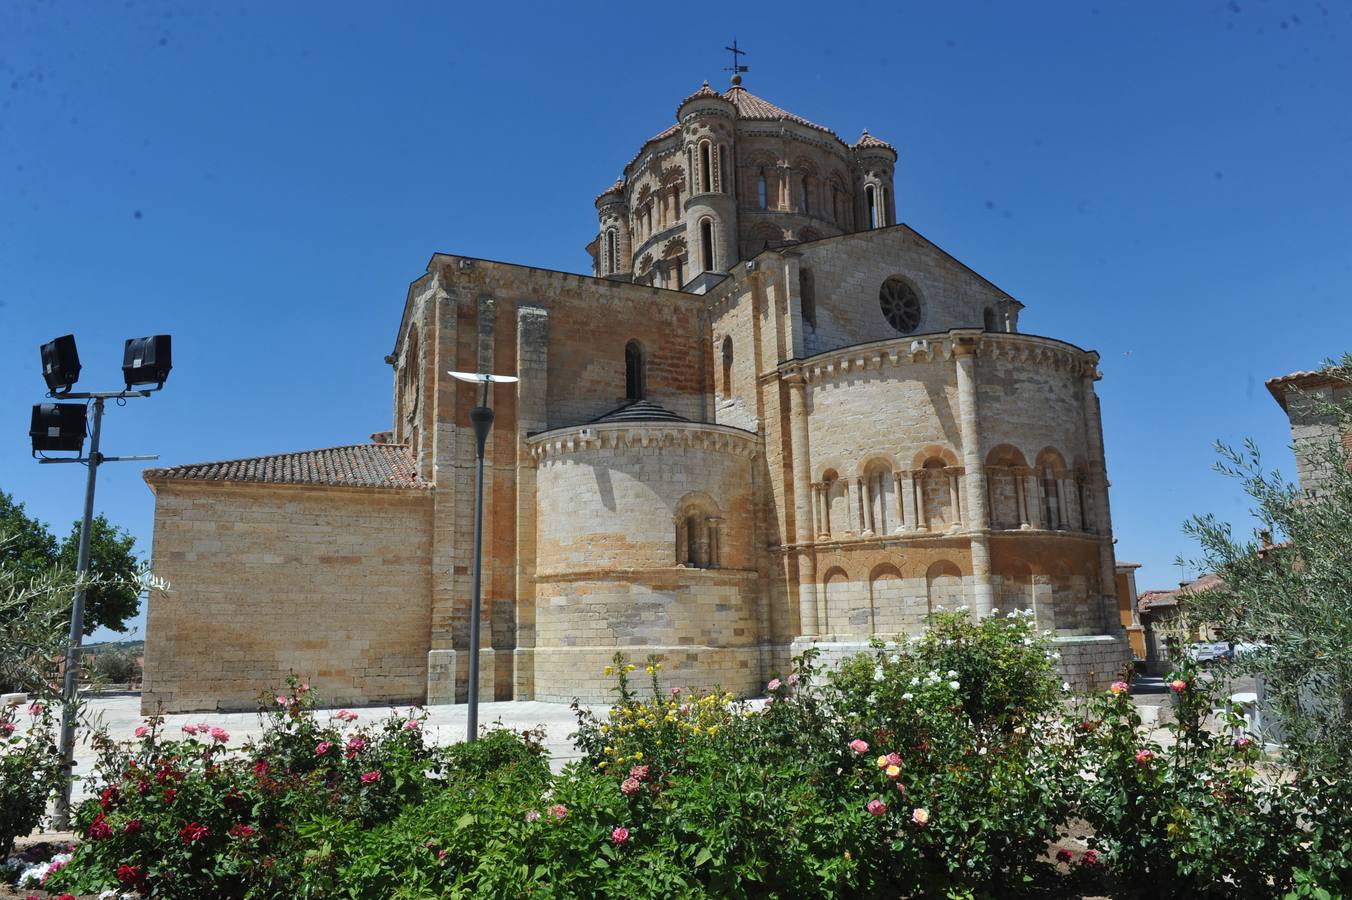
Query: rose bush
{"type": "Point", "coordinates": [30, 769]}
{"type": "Point", "coordinates": [949, 765]}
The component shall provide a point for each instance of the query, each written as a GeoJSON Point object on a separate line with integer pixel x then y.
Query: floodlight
{"type": "Point", "coordinates": [483, 377]}
{"type": "Point", "coordinates": [147, 360]}
{"type": "Point", "coordinates": [58, 426]}
{"type": "Point", "coordinates": [60, 364]}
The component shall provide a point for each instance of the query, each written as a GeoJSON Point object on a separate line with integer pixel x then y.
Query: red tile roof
{"type": "Point", "coordinates": [1301, 381]}
{"type": "Point", "coordinates": [616, 188]}
{"type": "Point", "coordinates": [358, 465]}
{"type": "Point", "coordinates": [867, 140]}
{"type": "Point", "coordinates": [749, 106]}
{"type": "Point", "coordinates": [704, 91]}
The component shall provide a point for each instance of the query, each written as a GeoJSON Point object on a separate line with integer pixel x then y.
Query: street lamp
{"type": "Point", "coordinates": [62, 427]}
{"type": "Point", "coordinates": [481, 417]}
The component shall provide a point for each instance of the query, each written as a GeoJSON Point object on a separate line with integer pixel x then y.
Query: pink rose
{"type": "Point", "coordinates": [35, 708]}
{"type": "Point", "coordinates": [773, 685]}
{"type": "Point", "coordinates": [412, 725]}
{"type": "Point", "coordinates": [282, 701]}
{"type": "Point", "coordinates": [203, 727]}
{"type": "Point", "coordinates": [858, 745]}
{"type": "Point", "coordinates": [219, 735]}
{"type": "Point", "coordinates": [1117, 687]}
{"type": "Point", "coordinates": [370, 777]}
{"type": "Point", "coordinates": [920, 815]}
{"type": "Point", "coordinates": [1243, 743]}
{"type": "Point", "coordinates": [675, 692]}
{"type": "Point", "coordinates": [141, 731]}
{"type": "Point", "coordinates": [533, 815]}
{"type": "Point", "coordinates": [792, 680]}
{"type": "Point", "coordinates": [190, 729]}
{"type": "Point", "coordinates": [559, 811]}
{"type": "Point", "coordinates": [346, 715]}
{"type": "Point", "coordinates": [629, 786]}
{"type": "Point", "coordinates": [1178, 685]}
{"type": "Point", "coordinates": [322, 747]}
{"type": "Point", "coordinates": [1144, 756]}
{"type": "Point", "coordinates": [620, 835]}
{"type": "Point", "coordinates": [639, 772]}
{"type": "Point", "coordinates": [6, 729]}
{"type": "Point", "coordinates": [876, 807]}
{"type": "Point", "coordinates": [894, 758]}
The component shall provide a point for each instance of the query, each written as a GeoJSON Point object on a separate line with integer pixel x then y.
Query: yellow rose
{"type": "Point", "coordinates": [610, 670]}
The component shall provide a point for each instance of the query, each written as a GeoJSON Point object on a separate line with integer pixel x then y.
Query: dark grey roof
{"type": "Point", "coordinates": [358, 465]}
{"type": "Point", "coordinates": [639, 411]}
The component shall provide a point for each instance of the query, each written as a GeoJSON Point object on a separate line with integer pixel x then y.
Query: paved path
{"type": "Point", "coordinates": [121, 713]}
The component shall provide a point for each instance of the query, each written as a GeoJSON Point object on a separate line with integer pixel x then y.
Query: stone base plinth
{"type": "Point", "coordinates": [448, 676]}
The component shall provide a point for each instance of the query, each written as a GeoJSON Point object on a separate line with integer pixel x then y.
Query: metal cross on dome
{"type": "Point", "coordinates": [736, 68]}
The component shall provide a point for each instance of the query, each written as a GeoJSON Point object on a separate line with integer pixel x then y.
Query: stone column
{"type": "Point", "coordinates": [1097, 487]}
{"type": "Point", "coordinates": [918, 494]}
{"type": "Point", "coordinates": [682, 542]}
{"type": "Point", "coordinates": [1063, 502]}
{"type": "Point", "coordinates": [1053, 501]}
{"type": "Point", "coordinates": [897, 493]}
{"type": "Point", "coordinates": [1032, 498]}
{"type": "Point", "coordinates": [802, 478]}
{"type": "Point", "coordinates": [953, 497]}
{"type": "Point", "coordinates": [978, 519]}
{"type": "Point", "coordinates": [1020, 498]}
{"type": "Point", "coordinates": [532, 363]}
{"type": "Point", "coordinates": [866, 498]}
{"type": "Point", "coordinates": [712, 525]}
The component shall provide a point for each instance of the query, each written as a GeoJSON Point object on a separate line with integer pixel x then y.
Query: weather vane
{"type": "Point", "coordinates": [736, 67]}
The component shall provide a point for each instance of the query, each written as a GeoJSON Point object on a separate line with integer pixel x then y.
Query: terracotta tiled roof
{"type": "Point", "coordinates": [358, 465]}
{"type": "Point", "coordinates": [1301, 380]}
{"type": "Point", "coordinates": [867, 140]}
{"type": "Point", "coordinates": [1149, 599]}
{"type": "Point", "coordinates": [705, 91]}
{"type": "Point", "coordinates": [616, 188]}
{"type": "Point", "coordinates": [749, 106]}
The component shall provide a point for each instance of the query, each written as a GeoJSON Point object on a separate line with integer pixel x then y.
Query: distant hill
{"type": "Point", "coordinates": [134, 647]}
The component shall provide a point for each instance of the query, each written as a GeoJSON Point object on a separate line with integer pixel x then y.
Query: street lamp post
{"type": "Point", "coordinates": [481, 417]}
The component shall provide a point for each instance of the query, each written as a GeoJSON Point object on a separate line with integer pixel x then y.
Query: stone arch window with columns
{"type": "Point", "coordinates": [937, 490]}
{"type": "Point", "coordinates": [1060, 505]}
{"type": "Point", "coordinates": [707, 235]}
{"type": "Point", "coordinates": [1013, 493]}
{"type": "Point", "coordinates": [699, 536]}
{"type": "Point", "coordinates": [878, 496]}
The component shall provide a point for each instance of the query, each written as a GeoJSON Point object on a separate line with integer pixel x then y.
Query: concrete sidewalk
{"type": "Point", "coordinates": [120, 715]}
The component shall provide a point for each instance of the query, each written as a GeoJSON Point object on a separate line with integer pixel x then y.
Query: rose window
{"type": "Point", "coordinates": [900, 305]}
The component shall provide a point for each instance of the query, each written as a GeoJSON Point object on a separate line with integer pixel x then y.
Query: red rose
{"type": "Point", "coordinates": [98, 829]}
{"type": "Point", "coordinates": [132, 827]}
{"type": "Point", "coordinates": [241, 831]}
{"type": "Point", "coordinates": [143, 787]}
{"type": "Point", "coordinates": [193, 832]}
{"type": "Point", "coordinates": [169, 795]}
{"type": "Point", "coordinates": [130, 874]}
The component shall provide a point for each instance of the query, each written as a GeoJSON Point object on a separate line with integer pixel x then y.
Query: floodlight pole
{"type": "Point", "coordinates": [69, 685]}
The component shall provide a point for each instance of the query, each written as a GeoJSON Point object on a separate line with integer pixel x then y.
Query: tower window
{"type": "Point", "coordinates": [612, 260]}
{"type": "Point", "coordinates": [727, 366]}
{"type": "Point", "coordinates": [706, 244]}
{"type": "Point", "coordinates": [803, 195]}
{"type": "Point", "coordinates": [760, 191]}
{"type": "Point", "coordinates": [991, 322]}
{"type": "Point", "coordinates": [871, 200]}
{"type": "Point", "coordinates": [705, 167]}
{"type": "Point", "coordinates": [634, 376]}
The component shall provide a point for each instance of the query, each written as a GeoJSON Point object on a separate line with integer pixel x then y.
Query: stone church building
{"type": "Point", "coordinates": [770, 417]}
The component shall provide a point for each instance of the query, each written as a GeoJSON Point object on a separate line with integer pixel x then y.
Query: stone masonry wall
{"type": "Point", "coordinates": [330, 583]}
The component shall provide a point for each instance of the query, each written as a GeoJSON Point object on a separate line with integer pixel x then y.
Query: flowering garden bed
{"type": "Point", "coordinates": [948, 768]}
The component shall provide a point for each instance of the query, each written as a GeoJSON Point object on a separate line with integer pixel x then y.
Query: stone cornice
{"type": "Point", "coordinates": [655, 573]}
{"type": "Point", "coordinates": [618, 435]}
{"type": "Point", "coordinates": [1025, 349]}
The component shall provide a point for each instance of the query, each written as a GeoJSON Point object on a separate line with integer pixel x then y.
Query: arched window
{"type": "Point", "coordinates": [807, 296]}
{"type": "Point", "coordinates": [761, 190]}
{"type": "Point", "coordinates": [705, 167]}
{"type": "Point", "coordinates": [835, 204]}
{"type": "Point", "coordinates": [727, 366]}
{"type": "Point", "coordinates": [803, 196]}
{"type": "Point", "coordinates": [634, 376]}
{"type": "Point", "coordinates": [698, 533]}
{"type": "Point", "coordinates": [871, 201]}
{"type": "Point", "coordinates": [991, 321]}
{"type": "Point", "coordinates": [612, 258]}
{"type": "Point", "coordinates": [706, 244]}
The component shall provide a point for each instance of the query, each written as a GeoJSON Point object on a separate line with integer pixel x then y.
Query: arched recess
{"type": "Point", "coordinates": [761, 237]}
{"type": "Point", "coordinates": [1052, 475]}
{"type": "Point", "coordinates": [991, 319]}
{"type": "Point", "coordinates": [706, 244]}
{"type": "Point", "coordinates": [847, 605]}
{"type": "Point", "coordinates": [880, 495]}
{"type": "Point", "coordinates": [937, 495]}
{"type": "Point", "coordinates": [839, 514]}
{"type": "Point", "coordinates": [1014, 586]}
{"type": "Point", "coordinates": [1006, 484]}
{"type": "Point", "coordinates": [871, 206]}
{"type": "Point", "coordinates": [699, 538]}
{"type": "Point", "coordinates": [943, 586]}
{"type": "Point", "coordinates": [893, 611]}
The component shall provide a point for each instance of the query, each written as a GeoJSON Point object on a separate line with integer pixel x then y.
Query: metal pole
{"type": "Point", "coordinates": [482, 419]}
{"type": "Point", "coordinates": [69, 685]}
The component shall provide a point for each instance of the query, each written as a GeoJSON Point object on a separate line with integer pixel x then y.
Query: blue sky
{"type": "Point", "coordinates": [1166, 183]}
